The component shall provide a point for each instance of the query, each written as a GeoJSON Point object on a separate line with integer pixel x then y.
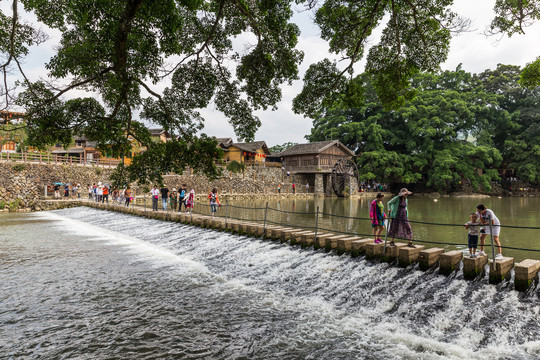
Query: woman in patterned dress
{"type": "Point", "coordinates": [400, 226]}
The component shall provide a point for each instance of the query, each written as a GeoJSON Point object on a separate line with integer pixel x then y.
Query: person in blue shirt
{"type": "Point", "coordinates": [182, 198]}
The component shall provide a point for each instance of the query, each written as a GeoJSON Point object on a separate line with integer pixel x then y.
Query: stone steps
{"type": "Point", "coordinates": [447, 262]}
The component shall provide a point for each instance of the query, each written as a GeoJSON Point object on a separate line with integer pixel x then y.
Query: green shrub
{"type": "Point", "coordinates": [14, 205]}
{"type": "Point", "coordinates": [98, 171]}
{"type": "Point", "coordinates": [18, 167]}
{"type": "Point", "coordinates": [235, 167]}
{"type": "Point", "coordinates": [2, 204]}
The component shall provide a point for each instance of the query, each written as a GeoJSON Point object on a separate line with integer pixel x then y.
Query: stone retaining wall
{"type": "Point", "coordinates": [22, 184]}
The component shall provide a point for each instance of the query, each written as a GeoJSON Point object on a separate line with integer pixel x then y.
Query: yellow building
{"type": "Point", "coordinates": [10, 137]}
{"type": "Point", "coordinates": [248, 152]}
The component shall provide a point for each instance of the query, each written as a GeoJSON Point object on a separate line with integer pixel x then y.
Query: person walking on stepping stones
{"type": "Point", "coordinates": [377, 216]}
{"type": "Point", "coordinates": [399, 215]}
{"type": "Point", "coordinates": [486, 216]}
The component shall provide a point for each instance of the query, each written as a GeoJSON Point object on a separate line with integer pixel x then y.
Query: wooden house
{"type": "Point", "coordinates": [316, 157]}
{"type": "Point", "coordinates": [83, 150]}
{"type": "Point", "coordinates": [11, 117]}
{"type": "Point", "coordinates": [159, 135]}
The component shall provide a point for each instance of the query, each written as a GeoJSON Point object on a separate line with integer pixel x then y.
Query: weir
{"type": "Point", "coordinates": [448, 261]}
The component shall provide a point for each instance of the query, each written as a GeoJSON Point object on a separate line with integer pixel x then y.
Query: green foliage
{"type": "Point", "coordinates": [172, 156]}
{"type": "Point", "coordinates": [518, 136]}
{"type": "Point", "coordinates": [14, 205]}
{"type": "Point", "coordinates": [18, 167]}
{"type": "Point", "coordinates": [124, 51]}
{"type": "Point", "coordinates": [511, 17]}
{"type": "Point", "coordinates": [441, 136]}
{"type": "Point", "coordinates": [282, 147]}
{"type": "Point", "coordinates": [2, 204]}
{"type": "Point", "coordinates": [98, 171]}
{"type": "Point", "coordinates": [235, 167]}
{"type": "Point", "coordinates": [415, 39]}
{"type": "Point", "coordinates": [530, 76]}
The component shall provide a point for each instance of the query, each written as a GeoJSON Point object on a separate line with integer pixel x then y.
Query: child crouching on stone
{"type": "Point", "coordinates": [474, 230]}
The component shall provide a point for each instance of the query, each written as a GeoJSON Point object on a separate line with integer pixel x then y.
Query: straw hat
{"type": "Point", "coordinates": [173, 189]}
{"type": "Point", "coordinates": [404, 191]}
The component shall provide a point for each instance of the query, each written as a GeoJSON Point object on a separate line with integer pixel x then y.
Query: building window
{"type": "Point", "coordinates": [292, 162]}
{"type": "Point", "coordinates": [306, 163]}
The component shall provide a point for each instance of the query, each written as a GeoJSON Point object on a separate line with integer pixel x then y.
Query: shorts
{"type": "Point", "coordinates": [473, 241]}
{"type": "Point", "coordinates": [496, 230]}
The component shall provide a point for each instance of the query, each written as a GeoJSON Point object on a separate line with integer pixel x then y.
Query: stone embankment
{"type": "Point", "coordinates": [22, 184]}
{"type": "Point", "coordinates": [447, 262]}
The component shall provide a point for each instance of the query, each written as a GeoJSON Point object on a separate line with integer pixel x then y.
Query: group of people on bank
{"type": "Point", "coordinates": [101, 192]}
{"type": "Point", "coordinates": [176, 199]}
{"type": "Point", "coordinates": [482, 223]}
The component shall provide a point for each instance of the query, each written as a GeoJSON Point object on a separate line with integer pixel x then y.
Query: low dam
{"type": "Point", "coordinates": [87, 283]}
{"type": "Point", "coordinates": [447, 262]}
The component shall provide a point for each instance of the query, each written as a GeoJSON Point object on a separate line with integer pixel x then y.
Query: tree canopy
{"type": "Point", "coordinates": [280, 148]}
{"type": "Point", "coordinates": [161, 61]}
{"type": "Point", "coordinates": [458, 127]}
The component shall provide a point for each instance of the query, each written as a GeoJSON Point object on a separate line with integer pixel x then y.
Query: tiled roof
{"type": "Point", "coordinates": [156, 132]}
{"type": "Point", "coordinates": [314, 148]}
{"type": "Point", "coordinates": [224, 142]}
{"type": "Point", "coordinates": [252, 146]}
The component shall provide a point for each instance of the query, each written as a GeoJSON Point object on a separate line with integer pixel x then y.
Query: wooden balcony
{"type": "Point", "coordinates": [310, 169]}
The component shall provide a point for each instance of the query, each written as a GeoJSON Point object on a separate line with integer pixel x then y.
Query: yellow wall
{"type": "Point", "coordinates": [235, 154]}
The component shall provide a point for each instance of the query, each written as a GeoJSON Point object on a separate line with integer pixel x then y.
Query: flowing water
{"type": "Point", "coordinates": [454, 211]}
{"type": "Point", "coordinates": [88, 284]}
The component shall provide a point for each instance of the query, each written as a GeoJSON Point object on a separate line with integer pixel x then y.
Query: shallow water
{"type": "Point", "coordinates": [90, 284]}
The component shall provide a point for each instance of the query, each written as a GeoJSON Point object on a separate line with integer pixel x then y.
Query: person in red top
{"type": "Point", "coordinates": [293, 188]}
{"type": "Point", "coordinates": [105, 194]}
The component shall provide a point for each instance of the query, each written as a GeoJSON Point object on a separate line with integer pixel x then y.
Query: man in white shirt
{"type": "Point", "coordinates": [155, 197]}
{"type": "Point", "coordinates": [99, 192]}
{"type": "Point", "coordinates": [486, 215]}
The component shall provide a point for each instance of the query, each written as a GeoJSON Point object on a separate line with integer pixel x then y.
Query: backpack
{"type": "Point", "coordinates": [213, 197]}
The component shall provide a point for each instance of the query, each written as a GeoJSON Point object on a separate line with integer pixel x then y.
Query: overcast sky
{"type": "Point", "coordinates": [472, 49]}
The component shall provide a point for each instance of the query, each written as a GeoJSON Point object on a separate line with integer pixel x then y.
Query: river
{"type": "Point", "coordinates": [89, 284]}
{"type": "Point", "coordinates": [454, 211]}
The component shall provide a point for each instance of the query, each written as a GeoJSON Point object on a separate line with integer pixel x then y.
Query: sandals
{"type": "Point", "coordinates": [392, 243]}
{"type": "Point", "coordinates": [411, 244]}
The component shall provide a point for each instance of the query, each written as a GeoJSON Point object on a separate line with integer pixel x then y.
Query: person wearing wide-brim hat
{"type": "Point", "coordinates": [399, 215]}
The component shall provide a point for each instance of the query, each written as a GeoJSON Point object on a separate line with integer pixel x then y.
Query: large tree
{"type": "Point", "coordinates": [160, 61]}
{"type": "Point", "coordinates": [518, 136]}
{"type": "Point", "coordinates": [440, 137]}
